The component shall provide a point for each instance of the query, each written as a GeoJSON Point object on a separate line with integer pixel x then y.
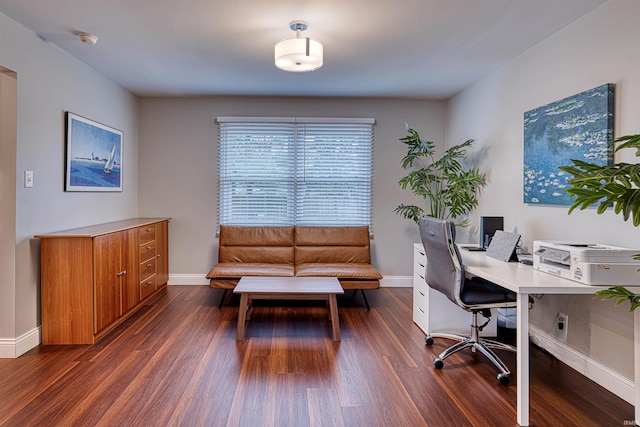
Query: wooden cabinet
{"type": "Point", "coordinates": [434, 312]}
{"type": "Point", "coordinates": [115, 266]}
{"type": "Point", "coordinates": [162, 252]}
{"type": "Point", "coordinates": [92, 278]}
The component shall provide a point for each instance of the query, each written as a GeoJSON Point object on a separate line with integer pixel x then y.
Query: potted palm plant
{"type": "Point", "coordinates": [450, 190]}
{"type": "Point", "coordinates": [615, 185]}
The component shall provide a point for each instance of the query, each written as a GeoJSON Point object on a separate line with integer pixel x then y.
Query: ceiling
{"type": "Point", "coordinates": [372, 48]}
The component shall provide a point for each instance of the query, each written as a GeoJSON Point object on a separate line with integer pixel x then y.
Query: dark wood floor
{"type": "Point", "coordinates": [177, 362]}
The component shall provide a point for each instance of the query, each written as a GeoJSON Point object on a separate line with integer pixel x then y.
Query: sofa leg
{"type": "Point", "coordinates": [224, 294]}
{"type": "Point", "coordinates": [366, 302]}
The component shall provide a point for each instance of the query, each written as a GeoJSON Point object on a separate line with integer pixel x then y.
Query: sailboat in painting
{"type": "Point", "coordinates": [110, 161]}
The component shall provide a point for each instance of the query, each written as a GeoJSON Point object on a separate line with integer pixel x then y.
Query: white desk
{"type": "Point", "coordinates": [524, 280]}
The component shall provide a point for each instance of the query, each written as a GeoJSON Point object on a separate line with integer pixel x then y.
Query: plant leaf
{"type": "Point", "coordinates": [449, 189]}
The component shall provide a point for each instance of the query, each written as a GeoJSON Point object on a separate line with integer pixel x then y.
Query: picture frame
{"type": "Point", "coordinates": [577, 127]}
{"type": "Point", "coordinates": [93, 155]}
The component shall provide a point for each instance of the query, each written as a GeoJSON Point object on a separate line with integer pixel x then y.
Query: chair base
{"type": "Point", "coordinates": [475, 343]}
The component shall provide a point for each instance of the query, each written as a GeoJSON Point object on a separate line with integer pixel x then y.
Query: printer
{"type": "Point", "coordinates": [587, 263]}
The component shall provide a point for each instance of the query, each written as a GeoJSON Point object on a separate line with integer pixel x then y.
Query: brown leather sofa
{"type": "Point", "coordinates": [342, 252]}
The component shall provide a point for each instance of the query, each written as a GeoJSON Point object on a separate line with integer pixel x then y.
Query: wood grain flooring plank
{"type": "Point", "coordinates": [318, 400]}
{"type": "Point", "coordinates": [176, 362]}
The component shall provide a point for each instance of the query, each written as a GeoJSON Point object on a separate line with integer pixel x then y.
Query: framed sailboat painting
{"type": "Point", "coordinates": [94, 156]}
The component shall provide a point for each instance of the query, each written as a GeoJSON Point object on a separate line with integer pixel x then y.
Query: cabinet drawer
{"type": "Point", "coordinates": [421, 298]}
{"type": "Point", "coordinates": [147, 269]}
{"type": "Point", "coordinates": [418, 279]}
{"type": "Point", "coordinates": [421, 318]}
{"type": "Point", "coordinates": [419, 267]}
{"type": "Point", "coordinates": [147, 287]}
{"type": "Point", "coordinates": [147, 251]}
{"type": "Point", "coordinates": [147, 233]}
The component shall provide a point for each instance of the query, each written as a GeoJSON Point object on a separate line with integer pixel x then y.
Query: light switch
{"type": "Point", "coordinates": [28, 179]}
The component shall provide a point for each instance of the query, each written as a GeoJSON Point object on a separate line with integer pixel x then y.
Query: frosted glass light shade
{"type": "Point", "coordinates": [298, 55]}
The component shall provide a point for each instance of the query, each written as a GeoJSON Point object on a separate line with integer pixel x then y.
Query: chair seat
{"type": "Point", "coordinates": [479, 291]}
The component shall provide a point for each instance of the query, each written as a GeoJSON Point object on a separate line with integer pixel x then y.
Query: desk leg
{"type": "Point", "coordinates": [242, 315]}
{"type": "Point", "coordinates": [522, 360]}
{"type": "Point", "coordinates": [333, 312]}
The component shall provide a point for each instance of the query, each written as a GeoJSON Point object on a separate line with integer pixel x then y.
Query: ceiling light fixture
{"type": "Point", "coordinates": [87, 38]}
{"type": "Point", "coordinates": [299, 54]}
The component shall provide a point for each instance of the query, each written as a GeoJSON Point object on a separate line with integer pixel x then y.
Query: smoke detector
{"type": "Point", "coordinates": [87, 38]}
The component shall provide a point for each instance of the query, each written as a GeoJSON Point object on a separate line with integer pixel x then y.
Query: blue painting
{"type": "Point", "coordinates": [94, 156]}
{"type": "Point", "coordinates": [578, 127]}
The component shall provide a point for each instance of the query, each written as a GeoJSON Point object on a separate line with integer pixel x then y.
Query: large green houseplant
{"type": "Point", "coordinates": [449, 189]}
{"type": "Point", "coordinates": [617, 185]}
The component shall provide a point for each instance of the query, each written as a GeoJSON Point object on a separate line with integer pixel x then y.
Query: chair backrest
{"type": "Point", "coordinates": [444, 270]}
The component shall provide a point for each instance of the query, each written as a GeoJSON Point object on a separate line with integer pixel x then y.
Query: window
{"type": "Point", "coordinates": [283, 171]}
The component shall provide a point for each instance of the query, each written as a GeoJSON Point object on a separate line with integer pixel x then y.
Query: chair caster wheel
{"type": "Point", "coordinates": [428, 340]}
{"type": "Point", "coordinates": [438, 363]}
{"type": "Point", "coordinates": [504, 379]}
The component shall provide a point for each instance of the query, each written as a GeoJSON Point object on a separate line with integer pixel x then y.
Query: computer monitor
{"type": "Point", "coordinates": [488, 227]}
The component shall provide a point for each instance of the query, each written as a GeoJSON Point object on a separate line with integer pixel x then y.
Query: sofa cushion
{"type": "Point", "coordinates": [268, 245]}
{"type": "Point", "coordinates": [339, 270]}
{"type": "Point", "coordinates": [237, 270]}
{"type": "Point", "coordinates": [332, 244]}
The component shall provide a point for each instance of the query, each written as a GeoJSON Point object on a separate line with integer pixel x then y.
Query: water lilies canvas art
{"type": "Point", "coordinates": [94, 156]}
{"type": "Point", "coordinates": [578, 127]}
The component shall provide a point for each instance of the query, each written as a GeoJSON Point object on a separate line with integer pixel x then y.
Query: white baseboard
{"type": "Point", "coordinates": [397, 282]}
{"type": "Point", "coordinates": [617, 384]}
{"type": "Point", "coordinates": [200, 279]}
{"type": "Point", "coordinates": [12, 348]}
{"type": "Point", "coordinates": [188, 279]}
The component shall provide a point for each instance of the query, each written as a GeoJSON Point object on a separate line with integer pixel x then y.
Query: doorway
{"type": "Point", "coordinates": [8, 128]}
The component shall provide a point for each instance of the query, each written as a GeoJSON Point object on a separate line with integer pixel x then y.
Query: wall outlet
{"type": "Point", "coordinates": [562, 326]}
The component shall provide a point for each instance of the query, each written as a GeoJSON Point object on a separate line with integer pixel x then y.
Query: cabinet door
{"type": "Point", "coordinates": [162, 253]}
{"type": "Point", "coordinates": [129, 263]}
{"type": "Point", "coordinates": [107, 274]}
{"type": "Point", "coordinates": [67, 290]}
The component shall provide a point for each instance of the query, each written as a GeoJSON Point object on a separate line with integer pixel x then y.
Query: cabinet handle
{"type": "Point", "coordinates": [122, 273]}
{"type": "Point", "coordinates": [149, 247]}
{"type": "Point", "coordinates": [158, 256]}
{"type": "Point", "coordinates": [149, 283]}
{"type": "Point", "coordinates": [421, 265]}
{"type": "Point", "coordinates": [149, 265]}
{"type": "Point", "coordinates": [149, 229]}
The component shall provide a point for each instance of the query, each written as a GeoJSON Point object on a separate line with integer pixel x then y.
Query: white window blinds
{"type": "Point", "coordinates": [307, 171]}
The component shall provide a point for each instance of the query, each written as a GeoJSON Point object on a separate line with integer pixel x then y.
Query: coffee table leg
{"type": "Point", "coordinates": [333, 311]}
{"type": "Point", "coordinates": [242, 315]}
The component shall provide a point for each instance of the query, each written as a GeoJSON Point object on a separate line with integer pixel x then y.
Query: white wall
{"type": "Point", "coordinates": [50, 82]}
{"type": "Point", "coordinates": [601, 47]}
{"type": "Point", "coordinates": [178, 168]}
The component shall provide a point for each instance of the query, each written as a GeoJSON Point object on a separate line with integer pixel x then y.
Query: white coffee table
{"type": "Point", "coordinates": [287, 288]}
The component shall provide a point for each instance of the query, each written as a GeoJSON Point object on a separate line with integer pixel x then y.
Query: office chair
{"type": "Point", "coordinates": [445, 273]}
